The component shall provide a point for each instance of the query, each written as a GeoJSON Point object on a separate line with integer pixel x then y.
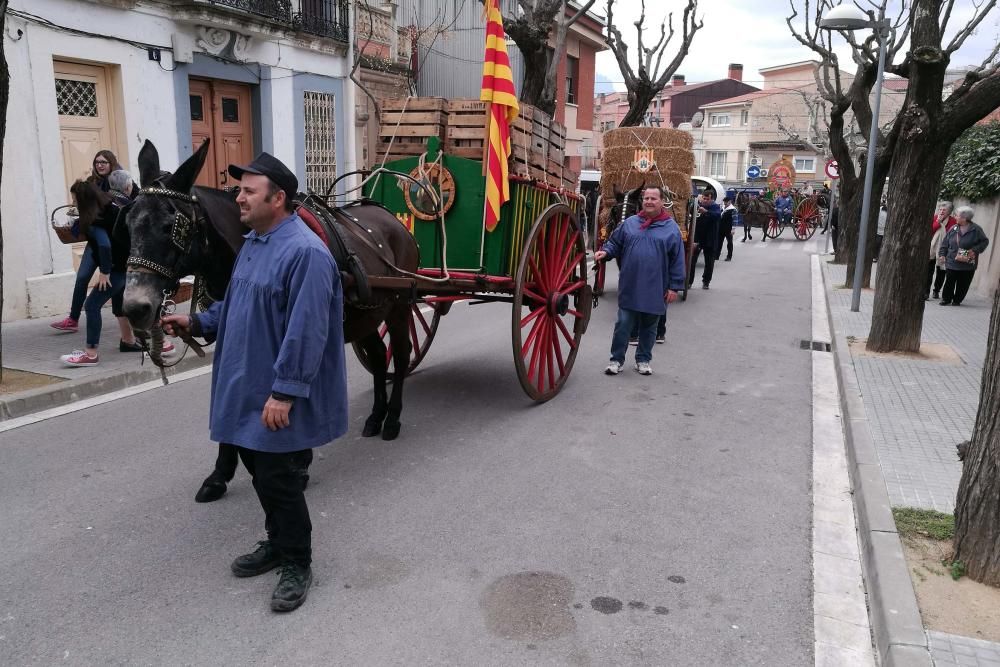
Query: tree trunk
{"type": "Point", "coordinates": [639, 100]}
{"type": "Point", "coordinates": [898, 312]}
{"type": "Point", "coordinates": [977, 506]}
{"type": "Point", "coordinates": [4, 95]}
{"type": "Point", "coordinates": [533, 43]}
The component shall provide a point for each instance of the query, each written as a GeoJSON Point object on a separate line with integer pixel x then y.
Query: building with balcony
{"type": "Point", "coordinates": [86, 75]}
{"type": "Point", "coordinates": [676, 104]}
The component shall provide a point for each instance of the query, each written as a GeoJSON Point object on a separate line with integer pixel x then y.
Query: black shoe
{"type": "Point", "coordinates": [292, 588]}
{"type": "Point", "coordinates": [743, 240]}
{"type": "Point", "coordinates": [213, 488]}
{"type": "Point", "coordinates": [134, 346]}
{"type": "Point", "coordinates": [945, 303]}
{"type": "Point", "coordinates": [263, 559]}
{"type": "Point", "coordinates": [704, 285]}
{"type": "Point", "coordinates": [937, 295]}
{"type": "Point", "coordinates": [728, 259]}
{"type": "Point", "coordinates": [956, 303]}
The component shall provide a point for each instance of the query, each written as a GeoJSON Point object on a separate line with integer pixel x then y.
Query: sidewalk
{"type": "Point", "coordinates": [913, 412]}
{"type": "Point", "coordinates": [35, 347]}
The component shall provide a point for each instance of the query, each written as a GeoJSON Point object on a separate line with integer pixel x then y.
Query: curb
{"type": "Point", "coordinates": [53, 396]}
{"type": "Point", "coordinates": [900, 638]}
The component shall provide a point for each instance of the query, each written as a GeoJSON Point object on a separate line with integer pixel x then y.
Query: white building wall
{"type": "Point", "coordinates": [38, 269]}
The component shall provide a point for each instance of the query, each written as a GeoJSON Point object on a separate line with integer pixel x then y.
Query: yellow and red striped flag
{"type": "Point", "coordinates": [498, 90]}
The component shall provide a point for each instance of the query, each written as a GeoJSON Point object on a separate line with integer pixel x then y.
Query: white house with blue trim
{"type": "Point", "coordinates": [86, 75]}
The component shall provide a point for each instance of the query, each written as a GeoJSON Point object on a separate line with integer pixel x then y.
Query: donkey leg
{"type": "Point", "coordinates": [375, 351]}
{"type": "Point", "coordinates": [214, 486]}
{"type": "Point", "coordinates": [399, 337]}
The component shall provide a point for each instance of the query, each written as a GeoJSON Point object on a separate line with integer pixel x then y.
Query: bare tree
{"type": "Point", "coordinates": [925, 129]}
{"type": "Point", "coordinates": [977, 524]}
{"type": "Point", "coordinates": [4, 96]}
{"type": "Point", "coordinates": [647, 81]}
{"type": "Point", "coordinates": [540, 31]}
{"type": "Point", "coordinates": [850, 103]}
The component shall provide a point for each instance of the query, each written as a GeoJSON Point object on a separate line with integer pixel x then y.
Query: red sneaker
{"type": "Point", "coordinates": [69, 325]}
{"type": "Point", "coordinates": [78, 358]}
{"type": "Point", "coordinates": [167, 347]}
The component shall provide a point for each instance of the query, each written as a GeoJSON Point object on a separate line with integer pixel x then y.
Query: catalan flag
{"type": "Point", "coordinates": [498, 90]}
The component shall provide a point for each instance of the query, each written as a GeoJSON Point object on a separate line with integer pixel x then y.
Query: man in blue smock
{"type": "Point", "coordinates": [783, 207]}
{"type": "Point", "coordinates": [651, 251]}
{"type": "Point", "coordinates": [279, 383]}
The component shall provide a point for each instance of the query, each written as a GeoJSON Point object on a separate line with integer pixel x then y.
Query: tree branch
{"type": "Point", "coordinates": [970, 27]}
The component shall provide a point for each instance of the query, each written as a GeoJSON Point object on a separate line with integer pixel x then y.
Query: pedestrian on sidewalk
{"type": "Point", "coordinates": [651, 251]}
{"type": "Point", "coordinates": [942, 223]}
{"type": "Point", "coordinates": [706, 235]}
{"type": "Point", "coordinates": [960, 249]}
{"type": "Point", "coordinates": [279, 382]}
{"type": "Point", "coordinates": [726, 229]}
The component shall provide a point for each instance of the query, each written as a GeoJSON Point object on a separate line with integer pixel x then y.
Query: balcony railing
{"type": "Point", "coordinates": [326, 18]}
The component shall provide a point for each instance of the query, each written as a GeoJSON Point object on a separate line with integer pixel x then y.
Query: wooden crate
{"type": "Point", "coordinates": [557, 142]}
{"type": "Point", "coordinates": [406, 125]}
{"type": "Point", "coordinates": [465, 134]}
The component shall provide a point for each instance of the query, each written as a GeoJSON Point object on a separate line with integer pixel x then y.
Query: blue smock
{"type": "Point", "coordinates": [279, 328]}
{"type": "Point", "coordinates": [652, 262]}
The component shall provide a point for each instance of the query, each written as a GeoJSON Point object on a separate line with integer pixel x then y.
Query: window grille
{"type": "Point", "coordinates": [320, 129]}
{"type": "Point", "coordinates": [76, 98]}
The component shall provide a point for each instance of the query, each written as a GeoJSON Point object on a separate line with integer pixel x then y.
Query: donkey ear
{"type": "Point", "coordinates": [187, 173]}
{"type": "Point", "coordinates": [149, 164]}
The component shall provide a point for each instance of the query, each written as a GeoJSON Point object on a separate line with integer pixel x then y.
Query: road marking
{"type": "Point", "coordinates": [44, 415]}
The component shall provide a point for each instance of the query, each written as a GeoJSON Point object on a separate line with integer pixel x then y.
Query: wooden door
{"type": "Point", "coordinates": [86, 117]}
{"type": "Point", "coordinates": [221, 111]}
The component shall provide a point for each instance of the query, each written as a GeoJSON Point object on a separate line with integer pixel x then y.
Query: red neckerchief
{"type": "Point", "coordinates": [664, 215]}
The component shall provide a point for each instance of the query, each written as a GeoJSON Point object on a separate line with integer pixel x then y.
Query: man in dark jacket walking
{"type": "Point", "coordinates": [726, 229]}
{"type": "Point", "coordinates": [706, 235]}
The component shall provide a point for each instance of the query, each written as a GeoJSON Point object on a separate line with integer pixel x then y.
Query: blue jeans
{"type": "Point", "coordinates": [88, 264]}
{"type": "Point", "coordinates": [623, 327]}
{"type": "Point", "coordinates": [98, 297]}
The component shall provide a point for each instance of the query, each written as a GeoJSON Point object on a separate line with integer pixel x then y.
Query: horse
{"type": "Point", "coordinates": [755, 211]}
{"type": "Point", "coordinates": [178, 229]}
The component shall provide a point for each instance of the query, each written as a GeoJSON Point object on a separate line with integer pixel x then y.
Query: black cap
{"type": "Point", "coordinates": [266, 164]}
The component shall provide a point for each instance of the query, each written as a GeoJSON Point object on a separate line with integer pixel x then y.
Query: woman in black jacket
{"type": "Point", "coordinates": [959, 253]}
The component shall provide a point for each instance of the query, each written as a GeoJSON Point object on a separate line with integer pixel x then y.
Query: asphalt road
{"type": "Point", "coordinates": [632, 520]}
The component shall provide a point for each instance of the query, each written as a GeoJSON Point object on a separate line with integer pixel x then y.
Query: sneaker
{"type": "Point", "coordinates": [704, 285]}
{"type": "Point", "coordinates": [660, 340]}
{"type": "Point", "coordinates": [633, 341]}
{"type": "Point", "coordinates": [614, 368]}
{"type": "Point", "coordinates": [68, 325]}
{"type": "Point", "coordinates": [263, 559]}
{"type": "Point", "coordinates": [167, 347]}
{"type": "Point", "coordinates": [78, 358]}
{"type": "Point", "coordinates": [134, 346]}
{"type": "Point", "coordinates": [643, 368]}
{"type": "Point", "coordinates": [292, 588]}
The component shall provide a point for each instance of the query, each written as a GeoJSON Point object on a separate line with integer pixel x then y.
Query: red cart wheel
{"type": "Point", "coordinates": [774, 228]}
{"type": "Point", "coordinates": [423, 326]}
{"type": "Point", "coordinates": [552, 303]}
{"type": "Point", "coordinates": [806, 219]}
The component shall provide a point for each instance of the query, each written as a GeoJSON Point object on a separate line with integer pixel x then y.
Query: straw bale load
{"type": "Point", "coordinates": [672, 155]}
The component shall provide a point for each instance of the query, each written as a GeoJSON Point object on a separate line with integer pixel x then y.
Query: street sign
{"type": "Point", "coordinates": [832, 169]}
{"type": "Point", "coordinates": [753, 171]}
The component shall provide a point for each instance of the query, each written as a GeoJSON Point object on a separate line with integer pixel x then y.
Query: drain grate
{"type": "Point", "coordinates": [814, 345]}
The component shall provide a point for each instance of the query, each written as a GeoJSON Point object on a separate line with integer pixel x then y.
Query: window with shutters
{"type": "Point", "coordinates": [320, 130]}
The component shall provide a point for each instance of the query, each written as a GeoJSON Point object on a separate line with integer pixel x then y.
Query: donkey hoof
{"type": "Point", "coordinates": [390, 430]}
{"type": "Point", "coordinates": [372, 427]}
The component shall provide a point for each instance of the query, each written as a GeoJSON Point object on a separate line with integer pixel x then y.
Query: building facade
{"type": "Point", "coordinates": [86, 75]}
{"type": "Point", "coordinates": [676, 104]}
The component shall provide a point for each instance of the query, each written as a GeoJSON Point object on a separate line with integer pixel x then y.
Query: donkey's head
{"type": "Point", "coordinates": [167, 236]}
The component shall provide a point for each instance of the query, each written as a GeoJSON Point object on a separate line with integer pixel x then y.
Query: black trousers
{"type": "Point", "coordinates": [727, 236]}
{"type": "Point", "coordinates": [956, 285]}
{"type": "Point", "coordinates": [279, 483]}
{"type": "Point", "coordinates": [706, 275]}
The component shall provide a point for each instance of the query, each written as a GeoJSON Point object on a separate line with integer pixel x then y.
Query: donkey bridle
{"type": "Point", "coordinates": [182, 233]}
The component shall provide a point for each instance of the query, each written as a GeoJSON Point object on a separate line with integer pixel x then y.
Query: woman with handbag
{"type": "Point", "coordinates": [959, 253]}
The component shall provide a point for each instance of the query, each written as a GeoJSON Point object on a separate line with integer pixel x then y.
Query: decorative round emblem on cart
{"type": "Point", "coordinates": [436, 178]}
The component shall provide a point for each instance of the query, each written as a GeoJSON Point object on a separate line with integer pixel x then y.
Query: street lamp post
{"type": "Point", "coordinates": [850, 17]}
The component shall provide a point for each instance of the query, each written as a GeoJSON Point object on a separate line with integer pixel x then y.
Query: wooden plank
{"type": "Point", "coordinates": [469, 152]}
{"type": "Point", "coordinates": [412, 131]}
{"type": "Point", "coordinates": [413, 118]}
{"type": "Point", "coordinates": [466, 104]}
{"type": "Point", "coordinates": [467, 120]}
{"type": "Point", "coordinates": [415, 104]}
{"type": "Point", "coordinates": [465, 133]}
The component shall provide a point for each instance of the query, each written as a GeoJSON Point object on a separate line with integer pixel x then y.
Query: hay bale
{"type": "Point", "coordinates": [653, 137]}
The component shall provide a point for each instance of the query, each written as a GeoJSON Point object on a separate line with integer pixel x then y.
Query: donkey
{"type": "Point", "coordinates": [177, 229]}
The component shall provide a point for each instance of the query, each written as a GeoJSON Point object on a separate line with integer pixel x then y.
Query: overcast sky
{"type": "Point", "coordinates": [751, 32]}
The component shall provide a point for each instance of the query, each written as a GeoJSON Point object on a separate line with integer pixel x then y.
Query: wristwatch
{"type": "Point", "coordinates": [284, 398]}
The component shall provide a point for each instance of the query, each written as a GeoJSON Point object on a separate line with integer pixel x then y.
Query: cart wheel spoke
{"type": "Point", "coordinates": [420, 337]}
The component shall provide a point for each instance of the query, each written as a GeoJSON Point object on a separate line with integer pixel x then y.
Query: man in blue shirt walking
{"type": "Point", "coordinates": [279, 383]}
{"type": "Point", "coordinates": [652, 271]}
